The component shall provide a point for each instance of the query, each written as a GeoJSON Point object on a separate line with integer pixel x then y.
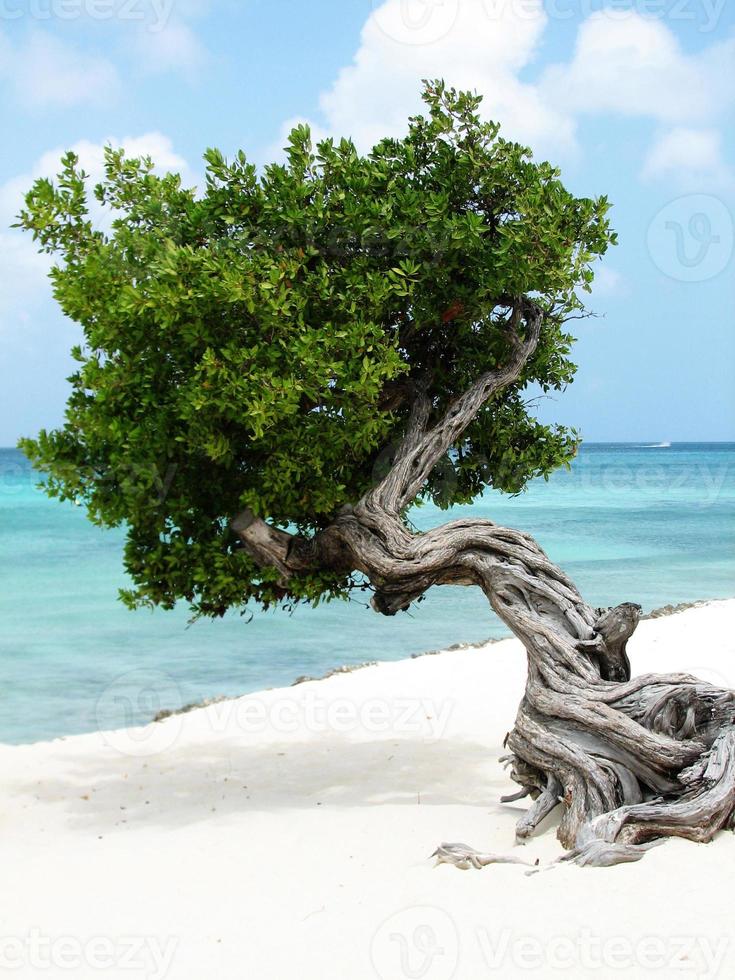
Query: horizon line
{"type": "Point", "coordinates": [649, 443]}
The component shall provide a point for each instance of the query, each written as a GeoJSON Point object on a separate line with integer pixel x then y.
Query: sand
{"type": "Point", "coordinates": [287, 834]}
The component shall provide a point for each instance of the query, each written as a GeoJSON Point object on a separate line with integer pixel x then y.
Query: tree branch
{"type": "Point", "coordinates": [420, 450]}
{"type": "Point", "coordinates": [418, 453]}
{"type": "Point", "coordinates": [270, 546]}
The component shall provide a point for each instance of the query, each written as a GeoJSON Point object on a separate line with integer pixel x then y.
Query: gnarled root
{"type": "Point", "coordinates": [628, 760]}
{"type": "Point", "coordinates": [636, 763]}
{"type": "Point", "coordinates": [705, 807]}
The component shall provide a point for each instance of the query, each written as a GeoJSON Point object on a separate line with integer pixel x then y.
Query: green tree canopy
{"type": "Point", "coordinates": [255, 345]}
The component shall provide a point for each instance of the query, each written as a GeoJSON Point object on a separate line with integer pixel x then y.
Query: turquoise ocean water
{"type": "Point", "coordinates": [652, 525]}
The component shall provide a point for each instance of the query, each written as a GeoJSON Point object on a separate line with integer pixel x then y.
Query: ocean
{"type": "Point", "coordinates": [650, 524]}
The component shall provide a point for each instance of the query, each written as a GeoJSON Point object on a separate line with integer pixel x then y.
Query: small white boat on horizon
{"type": "Point", "coordinates": [658, 445]}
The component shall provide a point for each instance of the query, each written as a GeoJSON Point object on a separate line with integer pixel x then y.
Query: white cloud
{"type": "Point", "coordinates": [173, 47]}
{"type": "Point", "coordinates": [22, 277]}
{"type": "Point", "coordinates": [42, 70]}
{"type": "Point", "coordinates": [91, 158]}
{"type": "Point", "coordinates": [473, 45]}
{"type": "Point", "coordinates": [608, 282]}
{"type": "Point", "coordinates": [623, 64]}
{"type": "Point", "coordinates": [634, 66]}
{"type": "Point", "coordinates": [45, 72]}
{"type": "Point", "coordinates": [275, 151]}
{"type": "Point", "coordinates": [692, 157]}
{"type": "Point", "coordinates": [91, 155]}
{"type": "Point", "coordinates": [23, 286]}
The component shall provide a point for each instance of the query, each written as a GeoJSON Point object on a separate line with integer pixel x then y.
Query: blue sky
{"type": "Point", "coordinates": [631, 99]}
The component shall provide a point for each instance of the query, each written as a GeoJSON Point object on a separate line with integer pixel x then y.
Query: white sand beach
{"type": "Point", "coordinates": [287, 834]}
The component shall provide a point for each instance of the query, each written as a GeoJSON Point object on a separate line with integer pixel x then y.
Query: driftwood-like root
{"type": "Point", "coordinates": [623, 784]}
{"type": "Point", "coordinates": [544, 804]}
{"type": "Point", "coordinates": [464, 857]}
{"type": "Point", "coordinates": [625, 761]}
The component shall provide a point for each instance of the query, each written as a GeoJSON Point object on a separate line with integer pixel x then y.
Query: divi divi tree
{"type": "Point", "coordinates": [277, 367]}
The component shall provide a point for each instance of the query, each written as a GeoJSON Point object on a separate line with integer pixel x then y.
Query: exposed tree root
{"type": "Point", "coordinates": [629, 764]}
{"type": "Point", "coordinates": [465, 857]}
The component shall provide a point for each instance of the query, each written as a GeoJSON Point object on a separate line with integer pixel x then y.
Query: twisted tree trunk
{"type": "Point", "coordinates": [628, 761]}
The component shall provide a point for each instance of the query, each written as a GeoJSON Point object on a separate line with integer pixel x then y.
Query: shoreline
{"type": "Point", "coordinates": [217, 701]}
{"type": "Point", "coordinates": [289, 832]}
{"type": "Point", "coordinates": [669, 609]}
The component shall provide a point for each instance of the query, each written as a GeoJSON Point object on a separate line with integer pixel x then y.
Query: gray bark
{"type": "Point", "coordinates": [625, 760]}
